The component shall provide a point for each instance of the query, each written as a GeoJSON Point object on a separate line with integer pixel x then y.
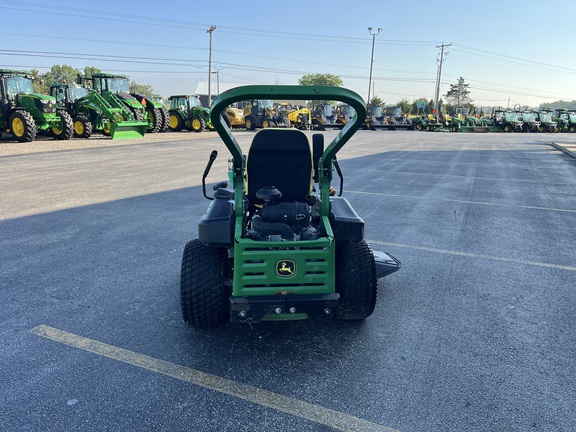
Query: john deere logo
{"type": "Point", "coordinates": [285, 268]}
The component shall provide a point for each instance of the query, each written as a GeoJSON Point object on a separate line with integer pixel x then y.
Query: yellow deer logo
{"type": "Point", "coordinates": [285, 268]}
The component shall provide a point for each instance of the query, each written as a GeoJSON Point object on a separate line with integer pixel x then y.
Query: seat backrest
{"type": "Point", "coordinates": [279, 158]}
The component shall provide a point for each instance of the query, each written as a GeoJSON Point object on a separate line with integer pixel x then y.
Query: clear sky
{"type": "Point", "coordinates": [508, 52]}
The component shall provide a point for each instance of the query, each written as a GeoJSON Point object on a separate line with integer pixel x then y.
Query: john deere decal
{"type": "Point", "coordinates": [285, 268]}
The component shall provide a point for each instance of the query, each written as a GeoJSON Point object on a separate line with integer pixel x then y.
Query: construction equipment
{"type": "Point", "coordinates": [23, 112]}
{"type": "Point", "coordinates": [112, 86]}
{"type": "Point", "coordinates": [258, 113]}
{"type": "Point", "coordinates": [271, 248]}
{"type": "Point", "coordinates": [90, 111]}
{"type": "Point", "coordinates": [299, 117]}
{"type": "Point", "coordinates": [323, 117]}
{"type": "Point", "coordinates": [566, 120]}
{"type": "Point", "coordinates": [186, 111]}
{"type": "Point", "coordinates": [234, 117]}
{"type": "Point", "coordinates": [395, 119]}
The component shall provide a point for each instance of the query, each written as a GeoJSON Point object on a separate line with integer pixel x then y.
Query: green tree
{"type": "Point", "coordinates": [459, 95]}
{"type": "Point", "coordinates": [405, 106]}
{"type": "Point", "coordinates": [321, 79]}
{"type": "Point", "coordinates": [143, 89]}
{"type": "Point", "coordinates": [376, 101]}
{"type": "Point", "coordinates": [89, 70]}
{"type": "Point", "coordinates": [60, 74]}
{"type": "Point", "coordinates": [38, 82]}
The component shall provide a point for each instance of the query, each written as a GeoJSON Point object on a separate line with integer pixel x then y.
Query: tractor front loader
{"type": "Point", "coordinates": [90, 111]}
{"type": "Point", "coordinates": [117, 87]}
{"type": "Point", "coordinates": [23, 112]}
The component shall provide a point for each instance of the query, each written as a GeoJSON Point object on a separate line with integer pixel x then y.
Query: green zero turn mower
{"type": "Point", "coordinates": [275, 242]}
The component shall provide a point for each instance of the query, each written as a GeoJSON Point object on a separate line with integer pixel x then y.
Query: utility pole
{"type": "Point", "coordinates": [372, 59]}
{"type": "Point", "coordinates": [439, 60]}
{"type": "Point", "coordinates": [210, 30]}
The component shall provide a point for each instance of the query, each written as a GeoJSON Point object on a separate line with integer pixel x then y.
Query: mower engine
{"type": "Point", "coordinates": [282, 220]}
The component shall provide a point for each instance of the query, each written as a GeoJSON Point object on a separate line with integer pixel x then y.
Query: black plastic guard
{"type": "Point", "coordinates": [385, 264]}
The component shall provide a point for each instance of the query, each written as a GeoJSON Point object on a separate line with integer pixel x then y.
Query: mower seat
{"type": "Point", "coordinates": [279, 158]}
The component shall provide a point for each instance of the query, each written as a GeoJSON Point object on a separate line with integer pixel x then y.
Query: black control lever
{"type": "Point", "coordinates": [339, 171]}
{"type": "Point", "coordinates": [213, 156]}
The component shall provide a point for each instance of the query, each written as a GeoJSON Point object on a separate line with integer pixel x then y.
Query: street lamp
{"type": "Point", "coordinates": [372, 59]}
{"type": "Point", "coordinates": [210, 30]}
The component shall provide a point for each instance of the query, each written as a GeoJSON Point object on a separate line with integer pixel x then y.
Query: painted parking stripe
{"type": "Point", "coordinates": [464, 201]}
{"type": "Point", "coordinates": [473, 255]}
{"type": "Point", "coordinates": [295, 407]}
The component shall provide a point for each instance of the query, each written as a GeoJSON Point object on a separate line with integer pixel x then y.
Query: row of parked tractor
{"type": "Point", "coordinates": [103, 103]}
{"type": "Point", "coordinates": [500, 120]}
{"type": "Point", "coordinates": [99, 103]}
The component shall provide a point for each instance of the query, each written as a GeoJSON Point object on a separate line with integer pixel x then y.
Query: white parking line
{"type": "Point", "coordinates": [472, 255]}
{"type": "Point", "coordinates": [295, 407]}
{"type": "Point", "coordinates": [464, 201]}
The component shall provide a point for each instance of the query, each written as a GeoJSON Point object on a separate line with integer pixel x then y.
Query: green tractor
{"type": "Point", "coordinates": [276, 242]}
{"type": "Point", "coordinates": [186, 111]}
{"type": "Point", "coordinates": [23, 113]}
{"type": "Point", "coordinates": [566, 120]}
{"type": "Point", "coordinates": [507, 120]}
{"type": "Point", "coordinates": [143, 108]}
{"type": "Point", "coordinates": [90, 111]}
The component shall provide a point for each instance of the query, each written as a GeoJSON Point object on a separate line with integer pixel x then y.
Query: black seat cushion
{"type": "Point", "coordinates": [279, 158]}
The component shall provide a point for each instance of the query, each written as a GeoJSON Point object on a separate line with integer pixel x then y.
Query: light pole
{"type": "Point", "coordinates": [210, 30]}
{"type": "Point", "coordinates": [372, 59]}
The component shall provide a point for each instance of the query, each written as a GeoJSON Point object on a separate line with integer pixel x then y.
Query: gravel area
{"type": "Point", "coordinates": [8, 146]}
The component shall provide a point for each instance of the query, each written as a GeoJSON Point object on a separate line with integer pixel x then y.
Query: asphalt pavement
{"type": "Point", "coordinates": [474, 333]}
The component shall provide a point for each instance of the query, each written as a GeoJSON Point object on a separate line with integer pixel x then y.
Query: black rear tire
{"type": "Point", "coordinates": [165, 119]}
{"type": "Point", "coordinates": [203, 295]}
{"type": "Point", "coordinates": [356, 280]}
{"type": "Point", "coordinates": [154, 119]}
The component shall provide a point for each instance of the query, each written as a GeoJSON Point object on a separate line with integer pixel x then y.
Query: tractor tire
{"type": "Point", "coordinates": [154, 119]}
{"type": "Point", "coordinates": [571, 128]}
{"type": "Point", "coordinates": [454, 128]}
{"type": "Point", "coordinates": [165, 119]}
{"type": "Point", "coordinates": [249, 123]}
{"type": "Point", "coordinates": [66, 131]}
{"type": "Point", "coordinates": [82, 127]}
{"type": "Point", "coordinates": [23, 126]}
{"type": "Point", "coordinates": [507, 128]}
{"type": "Point", "coordinates": [176, 122]}
{"type": "Point", "coordinates": [203, 295]}
{"type": "Point", "coordinates": [198, 124]}
{"type": "Point", "coordinates": [266, 122]}
{"type": "Point", "coordinates": [355, 280]}
{"type": "Point", "coordinates": [138, 115]}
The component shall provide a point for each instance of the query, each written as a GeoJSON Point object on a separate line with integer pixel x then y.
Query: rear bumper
{"type": "Point", "coordinates": [283, 307]}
